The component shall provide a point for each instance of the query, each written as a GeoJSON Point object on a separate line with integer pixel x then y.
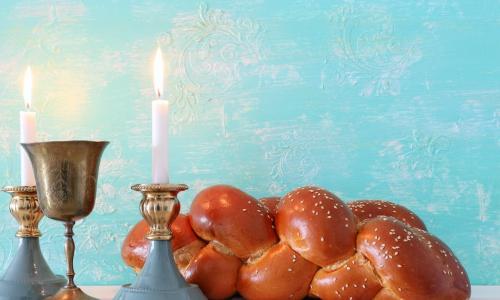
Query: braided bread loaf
{"type": "Point", "coordinates": [308, 243]}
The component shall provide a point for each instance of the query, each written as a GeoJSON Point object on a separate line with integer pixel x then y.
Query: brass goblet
{"type": "Point", "coordinates": [66, 177]}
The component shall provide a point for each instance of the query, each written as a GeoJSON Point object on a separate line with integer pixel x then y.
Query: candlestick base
{"type": "Point", "coordinates": [160, 279]}
{"type": "Point", "coordinates": [28, 276]}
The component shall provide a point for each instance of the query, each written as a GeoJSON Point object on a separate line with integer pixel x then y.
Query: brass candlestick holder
{"type": "Point", "coordinates": [160, 279]}
{"type": "Point", "coordinates": [28, 275]}
{"type": "Point", "coordinates": [66, 176]}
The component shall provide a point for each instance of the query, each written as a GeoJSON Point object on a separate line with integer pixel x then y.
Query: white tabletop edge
{"type": "Point", "coordinates": [479, 292]}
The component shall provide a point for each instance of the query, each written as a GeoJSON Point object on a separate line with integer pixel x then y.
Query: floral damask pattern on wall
{"type": "Point", "coordinates": [209, 45]}
{"type": "Point", "coordinates": [370, 99]}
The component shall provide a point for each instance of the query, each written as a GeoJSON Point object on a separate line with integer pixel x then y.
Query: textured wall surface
{"type": "Point", "coordinates": [396, 100]}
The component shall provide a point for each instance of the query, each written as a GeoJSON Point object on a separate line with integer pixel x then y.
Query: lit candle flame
{"type": "Point", "coordinates": [158, 73]}
{"type": "Point", "coordinates": [28, 82]}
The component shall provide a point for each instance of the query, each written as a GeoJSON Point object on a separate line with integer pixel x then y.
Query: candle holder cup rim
{"type": "Point", "coordinates": [159, 187]}
{"type": "Point", "coordinates": [19, 189]}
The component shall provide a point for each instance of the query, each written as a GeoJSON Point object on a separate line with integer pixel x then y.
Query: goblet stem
{"type": "Point", "coordinates": [69, 248]}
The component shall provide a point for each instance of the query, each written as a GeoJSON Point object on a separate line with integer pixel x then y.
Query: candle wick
{"type": "Point", "coordinates": [158, 93]}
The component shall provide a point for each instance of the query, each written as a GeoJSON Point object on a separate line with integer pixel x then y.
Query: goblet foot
{"type": "Point", "coordinates": [73, 293]}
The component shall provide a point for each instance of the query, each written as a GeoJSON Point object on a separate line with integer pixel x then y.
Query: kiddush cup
{"type": "Point", "coordinates": [66, 176]}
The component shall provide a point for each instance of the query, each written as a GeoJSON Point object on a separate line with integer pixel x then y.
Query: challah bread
{"type": "Point", "coordinates": [320, 247]}
{"type": "Point", "coordinates": [367, 209]}
{"type": "Point", "coordinates": [185, 243]}
{"type": "Point", "coordinates": [135, 247]}
{"type": "Point", "coordinates": [279, 273]}
{"type": "Point", "coordinates": [237, 226]}
{"type": "Point", "coordinates": [271, 203]}
{"type": "Point", "coordinates": [317, 224]}
{"type": "Point", "coordinates": [214, 270]}
{"type": "Point", "coordinates": [234, 219]}
{"type": "Point", "coordinates": [411, 263]}
{"type": "Point", "coordinates": [398, 262]}
{"type": "Point", "coordinates": [353, 278]}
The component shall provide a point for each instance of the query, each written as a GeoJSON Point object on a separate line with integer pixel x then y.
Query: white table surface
{"type": "Point", "coordinates": [479, 292]}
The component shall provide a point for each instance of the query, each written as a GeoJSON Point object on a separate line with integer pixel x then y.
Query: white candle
{"type": "Point", "coordinates": [27, 131]}
{"type": "Point", "coordinates": [160, 126]}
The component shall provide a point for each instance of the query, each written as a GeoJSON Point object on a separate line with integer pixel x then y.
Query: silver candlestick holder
{"type": "Point", "coordinates": [160, 279]}
{"type": "Point", "coordinates": [28, 276]}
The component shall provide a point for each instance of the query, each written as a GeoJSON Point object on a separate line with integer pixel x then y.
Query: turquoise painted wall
{"type": "Point", "coordinates": [396, 100]}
